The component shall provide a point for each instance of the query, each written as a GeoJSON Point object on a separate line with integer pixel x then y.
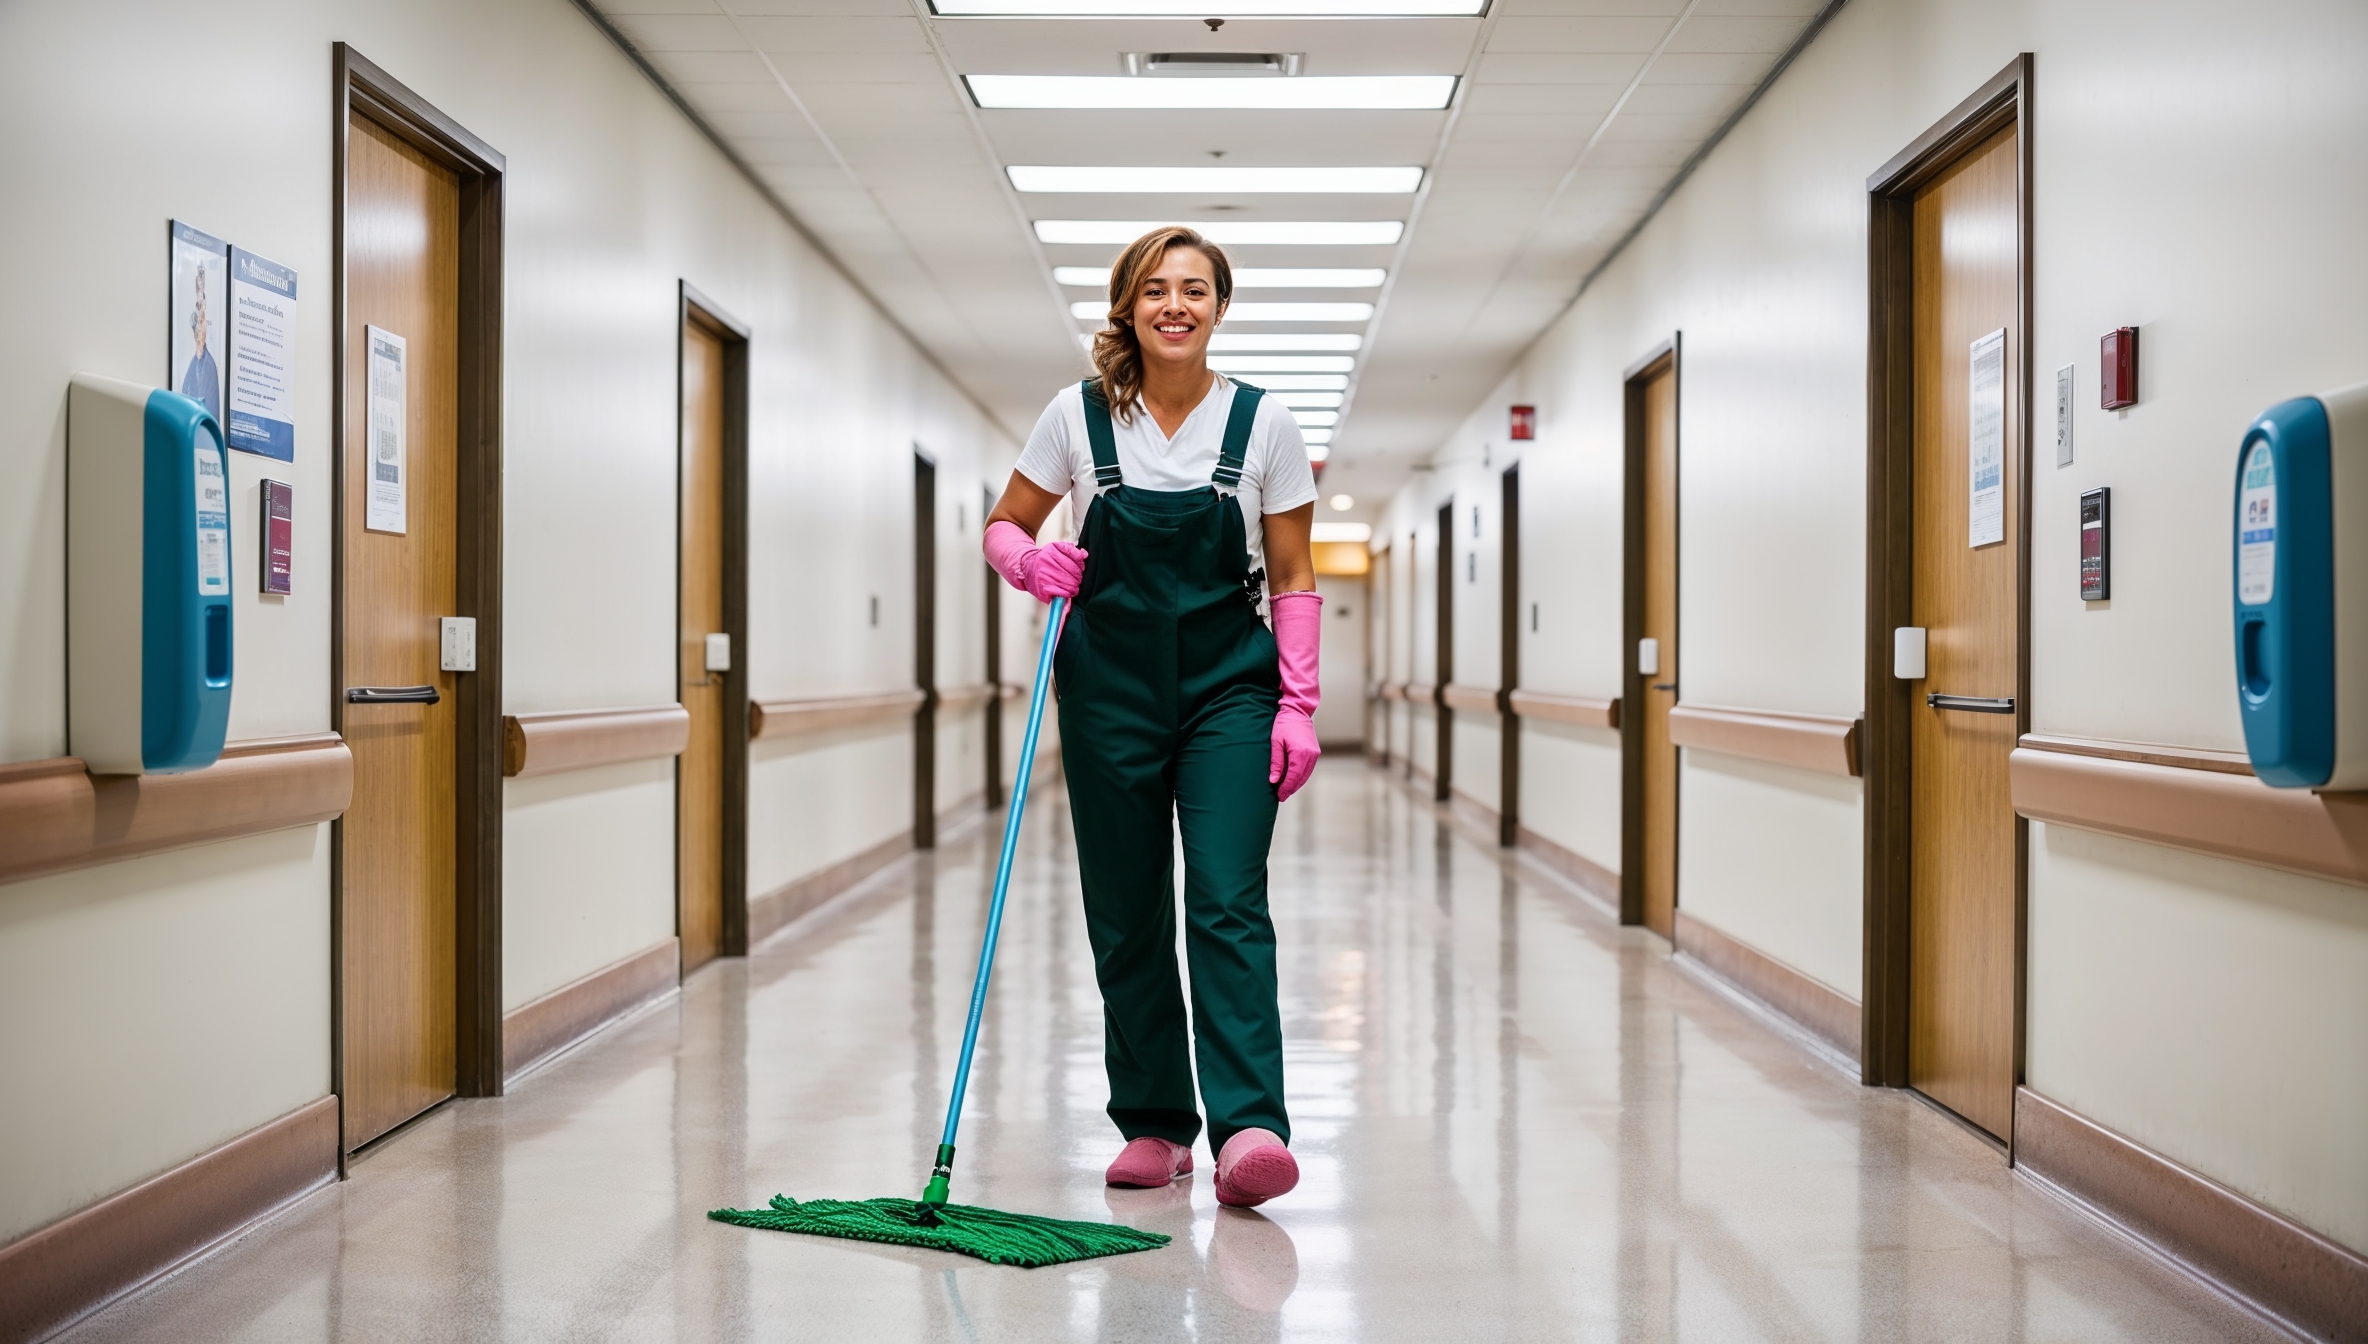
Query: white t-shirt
{"type": "Point", "coordinates": [1276, 477]}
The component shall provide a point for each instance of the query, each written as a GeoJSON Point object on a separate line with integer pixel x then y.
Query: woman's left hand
{"type": "Point", "coordinates": [1294, 752]}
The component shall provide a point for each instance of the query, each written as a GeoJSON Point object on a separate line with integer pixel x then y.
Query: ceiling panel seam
{"type": "Point", "coordinates": [1570, 174]}
{"type": "Point", "coordinates": [1414, 213]}
{"type": "Point", "coordinates": [830, 257]}
{"type": "Point", "coordinates": [986, 144]}
{"type": "Point", "coordinates": [920, 262]}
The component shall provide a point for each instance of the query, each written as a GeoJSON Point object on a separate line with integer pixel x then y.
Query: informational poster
{"type": "Point", "coordinates": [388, 418]}
{"type": "Point", "coordinates": [262, 343]}
{"type": "Point", "coordinates": [197, 317]}
{"type": "Point", "coordinates": [1985, 457]}
{"type": "Point", "coordinates": [2064, 416]}
{"type": "Point", "coordinates": [2257, 526]}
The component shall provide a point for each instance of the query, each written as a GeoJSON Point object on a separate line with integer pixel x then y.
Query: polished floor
{"type": "Point", "coordinates": [1517, 1121]}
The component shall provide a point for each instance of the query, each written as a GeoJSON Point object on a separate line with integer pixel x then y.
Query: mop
{"type": "Point", "coordinates": [998, 1238]}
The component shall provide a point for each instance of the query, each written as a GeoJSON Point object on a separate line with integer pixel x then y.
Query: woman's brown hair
{"type": "Point", "coordinates": [1118, 353]}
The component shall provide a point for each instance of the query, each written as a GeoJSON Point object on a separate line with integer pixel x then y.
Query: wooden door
{"type": "Point", "coordinates": [925, 651]}
{"type": "Point", "coordinates": [1962, 903]}
{"type": "Point", "coordinates": [396, 843]}
{"type": "Point", "coordinates": [1443, 657]}
{"type": "Point", "coordinates": [699, 772]}
{"type": "Point", "coordinates": [1658, 803]}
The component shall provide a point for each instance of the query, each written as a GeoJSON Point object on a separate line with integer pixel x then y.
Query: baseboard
{"type": "Point", "coordinates": [2272, 1263]}
{"type": "Point", "coordinates": [1596, 880]}
{"type": "Point", "coordinates": [57, 1275]}
{"type": "Point", "coordinates": [534, 1031]}
{"type": "Point", "coordinates": [1812, 1005]}
{"type": "Point", "coordinates": [961, 812]}
{"type": "Point", "coordinates": [769, 913]}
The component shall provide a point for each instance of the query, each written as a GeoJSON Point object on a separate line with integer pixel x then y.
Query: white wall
{"type": "Point", "coordinates": [2199, 173]}
{"type": "Point", "coordinates": [613, 200]}
{"type": "Point", "coordinates": [1340, 709]}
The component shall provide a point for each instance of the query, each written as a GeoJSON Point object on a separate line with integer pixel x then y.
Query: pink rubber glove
{"type": "Point", "coordinates": [1042, 572]}
{"type": "Point", "coordinates": [1298, 634]}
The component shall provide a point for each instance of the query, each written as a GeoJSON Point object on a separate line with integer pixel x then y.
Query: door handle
{"type": "Point", "coordinates": [1664, 685]}
{"type": "Point", "coordinates": [1972, 704]}
{"type": "Point", "coordinates": [391, 695]}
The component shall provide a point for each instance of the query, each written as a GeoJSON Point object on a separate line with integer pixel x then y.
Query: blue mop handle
{"type": "Point", "coordinates": [1011, 843]}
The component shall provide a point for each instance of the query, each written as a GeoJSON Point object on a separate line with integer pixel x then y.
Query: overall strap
{"type": "Point", "coordinates": [1098, 433]}
{"type": "Point", "coordinates": [1228, 475]}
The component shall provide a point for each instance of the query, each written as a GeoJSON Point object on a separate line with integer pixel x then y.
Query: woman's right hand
{"type": "Point", "coordinates": [1056, 569]}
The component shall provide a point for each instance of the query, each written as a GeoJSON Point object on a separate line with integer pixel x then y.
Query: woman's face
{"type": "Point", "coordinates": [1177, 308]}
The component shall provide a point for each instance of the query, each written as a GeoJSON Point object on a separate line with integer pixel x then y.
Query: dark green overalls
{"type": "Point", "coordinates": [1169, 686]}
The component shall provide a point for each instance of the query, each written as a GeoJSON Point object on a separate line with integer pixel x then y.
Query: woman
{"type": "Point", "coordinates": [1176, 701]}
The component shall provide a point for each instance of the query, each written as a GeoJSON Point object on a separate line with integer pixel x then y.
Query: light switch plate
{"type": "Point", "coordinates": [1907, 652]}
{"type": "Point", "coordinates": [719, 653]}
{"type": "Point", "coordinates": [2064, 416]}
{"type": "Point", "coordinates": [460, 644]}
{"type": "Point", "coordinates": [1648, 657]}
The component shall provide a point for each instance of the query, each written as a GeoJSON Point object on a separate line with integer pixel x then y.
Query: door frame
{"type": "Point", "coordinates": [1508, 664]}
{"type": "Point", "coordinates": [993, 617]}
{"type": "Point", "coordinates": [1887, 763]}
{"type": "Point", "coordinates": [362, 87]}
{"type": "Point", "coordinates": [694, 306]}
{"type": "Point", "coordinates": [925, 650]}
{"type": "Point", "coordinates": [1443, 658]}
{"type": "Point", "coordinates": [1667, 355]}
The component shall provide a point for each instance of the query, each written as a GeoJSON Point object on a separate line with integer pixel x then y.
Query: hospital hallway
{"type": "Point", "coordinates": [1517, 1121]}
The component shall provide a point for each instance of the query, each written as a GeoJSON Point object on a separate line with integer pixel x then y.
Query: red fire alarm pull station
{"type": "Point", "coordinates": [1525, 422]}
{"type": "Point", "coordinates": [2117, 380]}
{"type": "Point", "coordinates": [279, 538]}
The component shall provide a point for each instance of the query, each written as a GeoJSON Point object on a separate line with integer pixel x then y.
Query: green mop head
{"type": "Point", "coordinates": [997, 1238]}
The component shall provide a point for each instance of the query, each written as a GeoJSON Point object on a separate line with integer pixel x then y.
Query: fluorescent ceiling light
{"type": "Point", "coordinates": [1302, 382]}
{"type": "Point", "coordinates": [1316, 419]}
{"type": "Point", "coordinates": [1343, 340]}
{"type": "Point", "coordinates": [1244, 9]}
{"type": "Point", "coordinates": [1317, 449]}
{"type": "Point", "coordinates": [1299, 312]}
{"type": "Point", "coordinates": [1310, 401]}
{"type": "Point", "coordinates": [1422, 93]}
{"type": "Point", "coordinates": [1282, 363]}
{"type": "Point", "coordinates": [1094, 310]}
{"type": "Point", "coordinates": [1340, 531]}
{"type": "Point", "coordinates": [1253, 277]}
{"type": "Point", "coordinates": [1232, 233]}
{"type": "Point", "coordinates": [1210, 180]}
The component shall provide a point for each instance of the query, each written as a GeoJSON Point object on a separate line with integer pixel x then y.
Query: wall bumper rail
{"type": "Point", "coordinates": [1817, 742]}
{"type": "Point", "coordinates": [579, 739]}
{"type": "Point", "coordinates": [56, 816]}
{"type": "Point", "coordinates": [814, 714]}
{"type": "Point", "coordinates": [1584, 711]}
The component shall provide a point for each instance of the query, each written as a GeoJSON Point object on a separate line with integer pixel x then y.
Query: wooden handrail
{"type": "Point", "coordinates": [578, 739]}
{"type": "Point", "coordinates": [1418, 692]}
{"type": "Point", "coordinates": [813, 714]}
{"type": "Point", "coordinates": [56, 816]}
{"type": "Point", "coordinates": [1472, 699]}
{"type": "Point", "coordinates": [1585, 711]}
{"type": "Point", "coordinates": [2189, 799]}
{"type": "Point", "coordinates": [957, 699]}
{"type": "Point", "coordinates": [1809, 741]}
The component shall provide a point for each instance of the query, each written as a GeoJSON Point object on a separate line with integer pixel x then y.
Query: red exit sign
{"type": "Point", "coordinates": [1525, 422]}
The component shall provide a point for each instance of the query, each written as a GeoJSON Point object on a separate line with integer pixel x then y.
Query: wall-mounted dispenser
{"type": "Point", "coordinates": [147, 579]}
{"type": "Point", "coordinates": [2302, 591]}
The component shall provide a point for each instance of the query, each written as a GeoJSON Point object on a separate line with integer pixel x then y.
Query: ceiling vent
{"type": "Point", "coordinates": [1203, 64]}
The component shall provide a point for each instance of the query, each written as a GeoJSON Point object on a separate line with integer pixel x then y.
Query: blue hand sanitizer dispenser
{"type": "Point", "coordinates": [2302, 591]}
{"type": "Point", "coordinates": [147, 579]}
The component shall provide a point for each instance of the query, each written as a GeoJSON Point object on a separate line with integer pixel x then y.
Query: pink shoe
{"type": "Point", "coordinates": [1254, 1168]}
{"type": "Point", "coordinates": [1148, 1163]}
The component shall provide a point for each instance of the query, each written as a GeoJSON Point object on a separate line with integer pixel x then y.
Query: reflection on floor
{"type": "Point", "coordinates": [1516, 1120]}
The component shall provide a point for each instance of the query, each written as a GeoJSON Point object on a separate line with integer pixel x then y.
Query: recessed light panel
{"type": "Point", "coordinates": [1204, 180]}
{"type": "Point", "coordinates": [1330, 340]}
{"type": "Point", "coordinates": [1282, 363]}
{"type": "Point", "coordinates": [1233, 9]}
{"type": "Point", "coordinates": [1418, 93]}
{"type": "Point", "coordinates": [1310, 401]}
{"type": "Point", "coordinates": [1254, 277]}
{"type": "Point", "coordinates": [1340, 532]}
{"type": "Point", "coordinates": [1232, 233]}
{"type": "Point", "coordinates": [1094, 310]}
{"type": "Point", "coordinates": [1301, 382]}
{"type": "Point", "coordinates": [1316, 419]}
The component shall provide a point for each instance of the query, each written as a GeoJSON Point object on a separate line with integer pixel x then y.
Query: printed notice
{"type": "Point", "coordinates": [213, 521]}
{"type": "Point", "coordinates": [1985, 457]}
{"type": "Point", "coordinates": [262, 388]}
{"type": "Point", "coordinates": [200, 264]}
{"type": "Point", "coordinates": [2257, 526]}
{"type": "Point", "coordinates": [388, 417]}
